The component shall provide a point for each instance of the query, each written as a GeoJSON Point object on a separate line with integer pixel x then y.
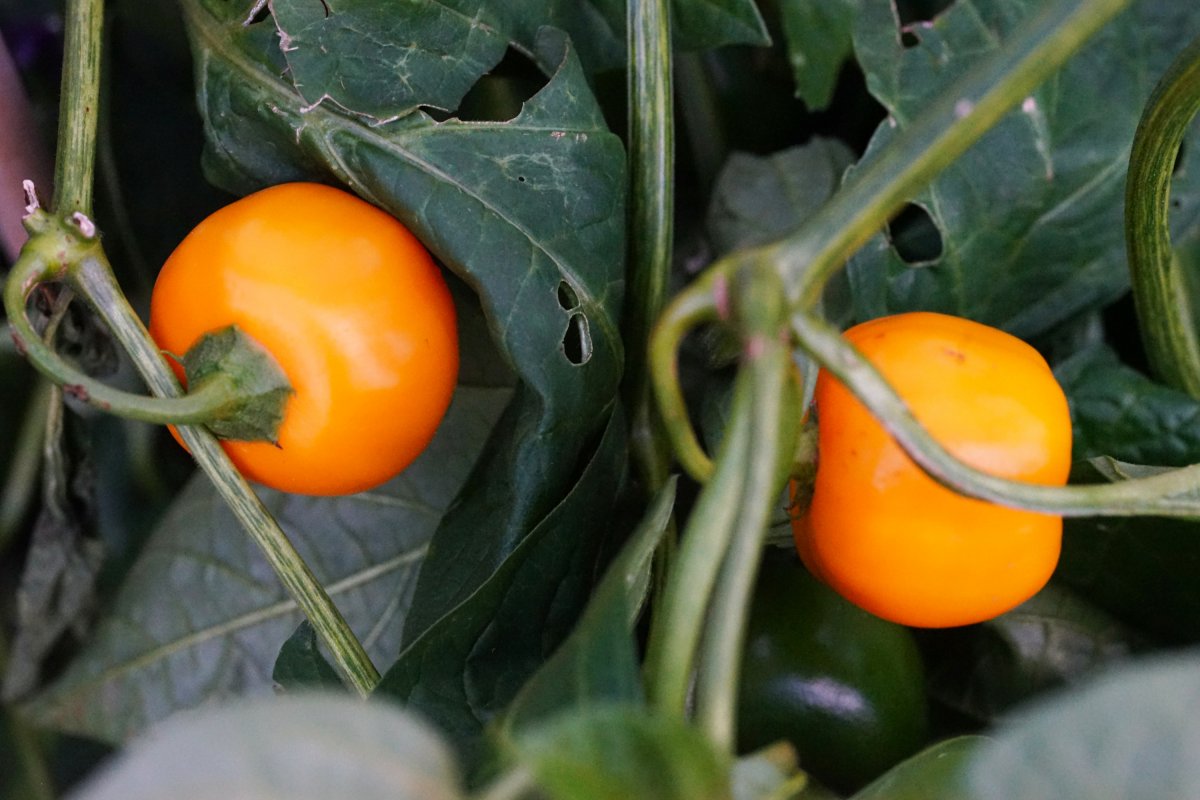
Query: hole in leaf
{"type": "Point", "coordinates": [257, 14]}
{"type": "Point", "coordinates": [577, 341]}
{"type": "Point", "coordinates": [909, 39]}
{"type": "Point", "coordinates": [567, 297]}
{"type": "Point", "coordinates": [914, 236]}
{"type": "Point", "coordinates": [920, 10]}
{"type": "Point", "coordinates": [499, 95]}
{"type": "Point", "coordinates": [1179, 159]}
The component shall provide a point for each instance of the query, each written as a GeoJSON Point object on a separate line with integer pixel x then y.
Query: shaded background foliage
{"type": "Point", "coordinates": [510, 167]}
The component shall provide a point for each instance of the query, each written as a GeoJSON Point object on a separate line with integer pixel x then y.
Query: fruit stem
{"type": "Point", "coordinates": [209, 402]}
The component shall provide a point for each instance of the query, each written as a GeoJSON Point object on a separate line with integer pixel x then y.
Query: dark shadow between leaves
{"type": "Point", "coordinates": [499, 95]}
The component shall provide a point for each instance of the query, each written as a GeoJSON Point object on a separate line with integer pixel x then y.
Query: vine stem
{"type": "Point", "coordinates": [651, 210]}
{"type": "Point", "coordinates": [774, 421]}
{"type": "Point", "coordinates": [78, 115]}
{"type": "Point", "coordinates": [679, 614]}
{"type": "Point", "coordinates": [202, 405]}
{"type": "Point", "coordinates": [1160, 291]}
{"type": "Point", "coordinates": [718, 554]}
{"type": "Point", "coordinates": [85, 269]}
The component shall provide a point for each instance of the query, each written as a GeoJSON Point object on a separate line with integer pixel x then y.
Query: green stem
{"type": "Point", "coordinates": [209, 401]}
{"type": "Point", "coordinates": [679, 615]}
{"type": "Point", "coordinates": [774, 421]}
{"type": "Point", "coordinates": [697, 304]}
{"type": "Point", "coordinates": [651, 208]}
{"type": "Point", "coordinates": [1167, 494]}
{"type": "Point", "coordinates": [94, 281]}
{"type": "Point", "coordinates": [79, 107]}
{"type": "Point", "coordinates": [1159, 283]}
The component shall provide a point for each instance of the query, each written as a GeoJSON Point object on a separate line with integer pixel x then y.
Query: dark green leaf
{"type": "Point", "coordinates": [385, 60]}
{"type": "Point", "coordinates": [202, 616]}
{"type": "Point", "coordinates": [1030, 218]}
{"type": "Point", "coordinates": [1142, 570]}
{"type": "Point", "coordinates": [819, 43]}
{"type": "Point", "coordinates": [467, 667]}
{"type": "Point", "coordinates": [757, 200]}
{"type": "Point", "coordinates": [936, 773]}
{"type": "Point", "coordinates": [528, 212]}
{"type": "Point", "coordinates": [1054, 638]}
{"type": "Point", "coordinates": [307, 747]}
{"type": "Point", "coordinates": [301, 665]}
{"type": "Point", "coordinates": [704, 24]}
{"type": "Point", "coordinates": [1117, 411]}
{"type": "Point", "coordinates": [624, 752]}
{"type": "Point", "coordinates": [1132, 733]}
{"type": "Point", "coordinates": [598, 663]}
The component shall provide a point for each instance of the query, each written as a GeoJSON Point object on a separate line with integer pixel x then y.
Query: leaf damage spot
{"type": "Point", "coordinates": [577, 340]}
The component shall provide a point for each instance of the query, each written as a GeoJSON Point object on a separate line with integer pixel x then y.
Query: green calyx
{"type": "Point", "coordinates": [258, 388]}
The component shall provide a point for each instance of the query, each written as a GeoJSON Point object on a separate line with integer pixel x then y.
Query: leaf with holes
{"type": "Point", "coordinates": [529, 212]}
{"type": "Point", "coordinates": [385, 60]}
{"type": "Point", "coordinates": [202, 616]}
{"type": "Point", "coordinates": [1030, 218]}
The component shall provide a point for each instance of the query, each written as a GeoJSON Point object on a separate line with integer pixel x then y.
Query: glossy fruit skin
{"type": "Point", "coordinates": [889, 538]}
{"type": "Point", "coordinates": [844, 687]}
{"type": "Point", "coordinates": [353, 309]}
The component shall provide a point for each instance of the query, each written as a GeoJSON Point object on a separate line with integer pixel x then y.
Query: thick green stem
{"type": "Point", "coordinates": [679, 616]}
{"type": "Point", "coordinates": [1160, 289]}
{"type": "Point", "coordinates": [79, 107]}
{"type": "Point", "coordinates": [1167, 494]}
{"type": "Point", "coordinates": [651, 206]}
{"type": "Point", "coordinates": [774, 416]}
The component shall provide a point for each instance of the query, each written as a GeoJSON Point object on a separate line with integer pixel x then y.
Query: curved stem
{"type": "Point", "coordinates": [697, 304]}
{"type": "Point", "coordinates": [198, 407]}
{"type": "Point", "coordinates": [1167, 494]}
{"type": "Point", "coordinates": [79, 107]}
{"type": "Point", "coordinates": [1159, 283]}
{"type": "Point", "coordinates": [651, 209]}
